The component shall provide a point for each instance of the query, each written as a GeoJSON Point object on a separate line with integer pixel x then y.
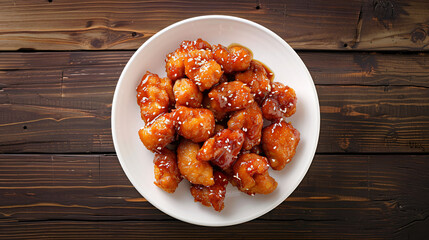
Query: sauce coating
{"type": "Point", "coordinates": [279, 142]}
{"type": "Point", "coordinates": [166, 171]}
{"type": "Point", "coordinates": [213, 195]}
{"type": "Point", "coordinates": [204, 122]}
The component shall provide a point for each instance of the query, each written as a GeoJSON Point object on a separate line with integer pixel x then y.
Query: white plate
{"type": "Point", "coordinates": [268, 48]}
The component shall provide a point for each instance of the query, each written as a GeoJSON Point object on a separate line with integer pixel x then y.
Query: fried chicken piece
{"type": "Point", "coordinates": [251, 175]}
{"type": "Point", "coordinates": [214, 195]}
{"type": "Point", "coordinates": [246, 166]}
{"type": "Point", "coordinates": [167, 175]}
{"type": "Point", "coordinates": [265, 184]}
{"type": "Point", "coordinates": [280, 103]}
{"type": "Point", "coordinates": [279, 142]}
{"type": "Point", "coordinates": [219, 114]}
{"type": "Point", "coordinates": [195, 171]}
{"type": "Point", "coordinates": [174, 62]}
{"type": "Point", "coordinates": [154, 96]}
{"type": "Point", "coordinates": [187, 94]}
{"type": "Point", "coordinates": [256, 77]}
{"type": "Point", "coordinates": [196, 124]}
{"type": "Point", "coordinates": [230, 96]}
{"type": "Point", "coordinates": [223, 148]}
{"type": "Point", "coordinates": [202, 69]}
{"type": "Point", "coordinates": [250, 121]}
{"type": "Point", "coordinates": [232, 59]}
{"type": "Point", "coordinates": [156, 135]}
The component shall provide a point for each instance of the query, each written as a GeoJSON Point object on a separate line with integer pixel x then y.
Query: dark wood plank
{"type": "Point", "coordinates": [369, 69]}
{"type": "Point", "coordinates": [96, 24]}
{"type": "Point", "coordinates": [179, 230]}
{"type": "Point", "coordinates": [368, 102]}
{"type": "Point", "coordinates": [371, 196]}
{"type": "Point", "coordinates": [344, 68]}
{"type": "Point", "coordinates": [373, 119]}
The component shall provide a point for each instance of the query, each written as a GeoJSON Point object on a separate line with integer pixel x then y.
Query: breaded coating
{"type": "Point", "coordinates": [223, 148]}
{"type": "Point", "coordinates": [154, 96]}
{"type": "Point", "coordinates": [279, 142]}
{"type": "Point", "coordinates": [174, 62]}
{"type": "Point", "coordinates": [250, 121]}
{"type": "Point", "coordinates": [219, 114]}
{"type": "Point", "coordinates": [186, 93]}
{"type": "Point", "coordinates": [230, 96]}
{"type": "Point", "coordinates": [202, 69]}
{"type": "Point", "coordinates": [232, 59]}
{"type": "Point", "coordinates": [265, 184]}
{"type": "Point", "coordinates": [246, 166]}
{"type": "Point", "coordinates": [156, 135]}
{"type": "Point", "coordinates": [256, 77]}
{"type": "Point", "coordinates": [250, 175]}
{"type": "Point", "coordinates": [214, 195]}
{"type": "Point", "coordinates": [167, 174]}
{"type": "Point", "coordinates": [196, 124]}
{"type": "Point", "coordinates": [280, 103]}
{"type": "Point", "coordinates": [195, 171]}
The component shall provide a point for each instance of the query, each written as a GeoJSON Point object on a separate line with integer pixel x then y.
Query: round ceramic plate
{"type": "Point", "coordinates": [137, 161]}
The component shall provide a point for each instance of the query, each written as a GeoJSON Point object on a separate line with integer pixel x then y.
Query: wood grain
{"type": "Point", "coordinates": [369, 102]}
{"type": "Point", "coordinates": [314, 25]}
{"type": "Point", "coordinates": [49, 195]}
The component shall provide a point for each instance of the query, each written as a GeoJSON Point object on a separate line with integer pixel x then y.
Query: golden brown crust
{"type": "Point", "coordinates": [232, 59]}
{"type": "Point", "coordinates": [251, 175]}
{"type": "Point", "coordinates": [154, 96]}
{"type": "Point", "coordinates": [195, 171]}
{"type": "Point", "coordinates": [230, 96]}
{"type": "Point", "coordinates": [167, 174]}
{"type": "Point", "coordinates": [186, 93]}
{"type": "Point", "coordinates": [202, 69]}
{"type": "Point", "coordinates": [256, 78]}
{"type": "Point", "coordinates": [279, 142]}
{"type": "Point", "coordinates": [196, 124]}
{"type": "Point", "coordinates": [223, 148]}
{"type": "Point", "coordinates": [157, 134]}
{"type": "Point", "coordinates": [280, 103]}
{"type": "Point", "coordinates": [250, 121]}
{"type": "Point", "coordinates": [214, 195]}
{"type": "Point", "coordinates": [174, 61]}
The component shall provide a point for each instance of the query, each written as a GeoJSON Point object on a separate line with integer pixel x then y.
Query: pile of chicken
{"type": "Point", "coordinates": [204, 122]}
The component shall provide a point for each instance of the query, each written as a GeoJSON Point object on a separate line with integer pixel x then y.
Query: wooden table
{"type": "Point", "coordinates": [59, 64]}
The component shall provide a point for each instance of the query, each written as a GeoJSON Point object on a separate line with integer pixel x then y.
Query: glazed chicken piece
{"type": "Point", "coordinates": [156, 135]}
{"type": "Point", "coordinates": [154, 96]}
{"type": "Point", "coordinates": [194, 170]}
{"type": "Point", "coordinates": [167, 174]}
{"type": "Point", "coordinates": [202, 69]}
{"type": "Point", "coordinates": [196, 124]}
{"type": "Point", "coordinates": [174, 62]}
{"type": "Point", "coordinates": [230, 96]}
{"type": "Point", "coordinates": [251, 175]}
{"type": "Point", "coordinates": [250, 121]}
{"type": "Point", "coordinates": [232, 59]}
{"type": "Point", "coordinates": [256, 77]}
{"type": "Point", "coordinates": [219, 114]}
{"type": "Point", "coordinates": [279, 142]}
{"type": "Point", "coordinates": [214, 195]}
{"type": "Point", "coordinates": [223, 148]}
{"type": "Point", "coordinates": [186, 93]}
{"type": "Point", "coordinates": [280, 103]}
